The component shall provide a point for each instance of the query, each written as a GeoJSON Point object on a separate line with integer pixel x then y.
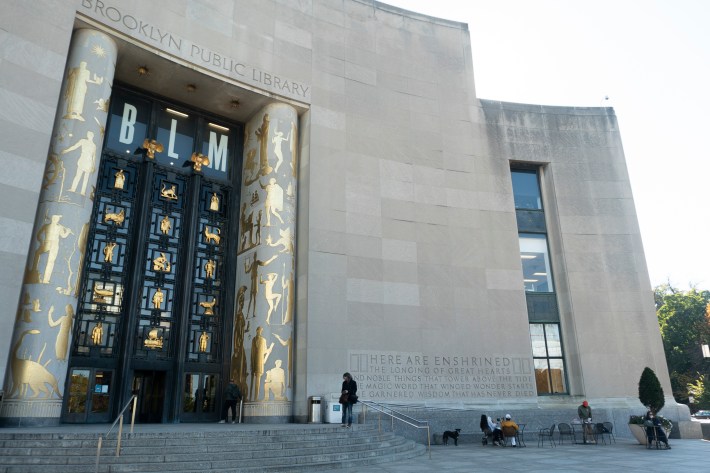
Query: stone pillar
{"type": "Point", "coordinates": [262, 353]}
{"type": "Point", "coordinates": [41, 340]}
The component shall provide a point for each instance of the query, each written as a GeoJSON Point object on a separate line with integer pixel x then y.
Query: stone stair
{"type": "Point", "coordinates": [235, 449]}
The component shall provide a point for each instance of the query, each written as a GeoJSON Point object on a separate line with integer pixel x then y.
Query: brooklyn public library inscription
{"type": "Point", "coordinates": [406, 376]}
{"type": "Point", "coordinates": [148, 31]}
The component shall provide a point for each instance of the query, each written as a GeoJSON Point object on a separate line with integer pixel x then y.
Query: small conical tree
{"type": "Point", "coordinates": [650, 391]}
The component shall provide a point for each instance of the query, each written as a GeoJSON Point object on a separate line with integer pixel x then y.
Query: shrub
{"type": "Point", "coordinates": [650, 391]}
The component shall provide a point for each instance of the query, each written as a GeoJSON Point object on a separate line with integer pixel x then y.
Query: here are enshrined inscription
{"type": "Point", "coordinates": [409, 376]}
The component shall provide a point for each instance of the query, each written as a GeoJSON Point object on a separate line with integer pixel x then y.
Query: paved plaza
{"type": "Point", "coordinates": [624, 456]}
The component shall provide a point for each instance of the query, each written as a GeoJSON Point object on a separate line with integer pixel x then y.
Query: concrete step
{"type": "Point", "coordinates": [256, 449]}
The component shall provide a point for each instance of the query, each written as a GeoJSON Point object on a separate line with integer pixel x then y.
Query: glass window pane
{"type": "Point", "coordinates": [78, 390]}
{"type": "Point", "coordinates": [542, 377]}
{"type": "Point", "coordinates": [557, 375]}
{"type": "Point", "coordinates": [536, 263]}
{"type": "Point", "coordinates": [102, 391]}
{"type": "Point", "coordinates": [537, 337]}
{"type": "Point", "coordinates": [526, 190]}
{"type": "Point", "coordinates": [176, 132]}
{"type": "Point", "coordinates": [128, 124]}
{"type": "Point", "coordinates": [218, 146]}
{"type": "Point", "coordinates": [554, 347]}
{"type": "Point", "coordinates": [192, 386]}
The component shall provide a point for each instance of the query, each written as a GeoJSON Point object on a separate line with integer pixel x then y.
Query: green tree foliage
{"type": "Point", "coordinates": [700, 389]}
{"type": "Point", "coordinates": [650, 391]}
{"type": "Point", "coordinates": [684, 320]}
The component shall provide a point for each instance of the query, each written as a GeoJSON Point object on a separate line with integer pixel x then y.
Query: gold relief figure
{"type": "Point", "coordinates": [108, 251]}
{"type": "Point", "coordinates": [212, 237]}
{"type": "Point", "coordinates": [48, 236]}
{"type": "Point", "coordinates": [259, 354]}
{"type": "Point", "coordinates": [77, 86]}
{"type": "Point", "coordinates": [81, 248]}
{"type": "Point", "coordinates": [165, 225]}
{"type": "Point", "coordinates": [100, 296]}
{"type": "Point", "coordinates": [116, 218]}
{"type": "Point", "coordinates": [204, 338]}
{"type": "Point", "coordinates": [199, 160]}
{"type": "Point", "coordinates": [54, 168]}
{"type": "Point", "coordinates": [151, 147]}
{"type": "Point", "coordinates": [291, 193]}
{"type": "Point", "coordinates": [161, 263]}
{"type": "Point", "coordinates": [153, 341]}
{"type": "Point", "coordinates": [294, 151]}
{"type": "Point", "coordinates": [254, 198]}
{"type": "Point", "coordinates": [158, 298]}
{"type": "Point", "coordinates": [170, 193]}
{"type": "Point", "coordinates": [288, 286]}
{"type": "Point", "coordinates": [61, 344]}
{"type": "Point", "coordinates": [286, 241]}
{"type": "Point", "coordinates": [119, 179]}
{"type": "Point", "coordinates": [102, 129]}
{"type": "Point", "coordinates": [246, 228]}
{"type": "Point", "coordinates": [209, 306]}
{"type": "Point", "coordinates": [275, 383]}
{"type": "Point", "coordinates": [251, 172]}
{"type": "Point", "coordinates": [214, 202]}
{"type": "Point", "coordinates": [86, 163]}
{"type": "Point", "coordinates": [35, 306]}
{"type": "Point", "coordinates": [272, 298]}
{"type": "Point", "coordinates": [210, 266]}
{"type": "Point", "coordinates": [274, 200]}
{"type": "Point", "coordinates": [252, 268]}
{"type": "Point", "coordinates": [239, 361]}
{"type": "Point", "coordinates": [277, 140]}
{"type": "Point", "coordinates": [257, 240]}
{"type": "Point", "coordinates": [97, 334]}
{"type": "Point", "coordinates": [23, 310]}
{"type": "Point", "coordinates": [262, 135]}
{"type": "Point", "coordinates": [102, 104]}
{"type": "Point", "coordinates": [289, 350]}
{"type": "Point", "coordinates": [31, 374]}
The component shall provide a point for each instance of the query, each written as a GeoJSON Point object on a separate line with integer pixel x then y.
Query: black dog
{"type": "Point", "coordinates": [454, 435]}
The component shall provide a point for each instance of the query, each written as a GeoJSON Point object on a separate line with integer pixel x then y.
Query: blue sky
{"type": "Point", "coordinates": [652, 59]}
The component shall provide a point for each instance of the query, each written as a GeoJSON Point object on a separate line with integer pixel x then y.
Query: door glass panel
{"type": "Point", "coordinates": [210, 392]}
{"type": "Point", "coordinates": [557, 375]}
{"type": "Point", "coordinates": [101, 391]}
{"type": "Point", "coordinates": [542, 376]}
{"type": "Point", "coordinates": [128, 124]}
{"type": "Point", "coordinates": [217, 146]}
{"type": "Point", "coordinates": [192, 386]}
{"type": "Point", "coordinates": [535, 262]}
{"type": "Point", "coordinates": [77, 391]}
{"type": "Point", "coordinates": [537, 337]}
{"type": "Point", "coordinates": [554, 347]}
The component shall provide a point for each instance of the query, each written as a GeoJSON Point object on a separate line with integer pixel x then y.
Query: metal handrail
{"type": "Point", "coordinates": [133, 400]}
{"type": "Point", "coordinates": [393, 414]}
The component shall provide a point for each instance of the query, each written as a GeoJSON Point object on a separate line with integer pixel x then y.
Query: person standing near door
{"type": "Point", "coordinates": [231, 396]}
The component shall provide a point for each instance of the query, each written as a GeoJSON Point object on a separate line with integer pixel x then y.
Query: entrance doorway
{"type": "Point", "coordinates": [149, 386]}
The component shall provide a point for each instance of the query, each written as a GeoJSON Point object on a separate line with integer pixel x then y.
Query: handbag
{"type": "Point", "coordinates": [352, 398]}
{"type": "Point", "coordinates": [343, 399]}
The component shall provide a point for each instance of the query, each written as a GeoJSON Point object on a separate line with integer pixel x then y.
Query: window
{"type": "Point", "coordinates": [547, 357]}
{"type": "Point", "coordinates": [536, 263]}
{"type": "Point", "coordinates": [547, 352]}
{"type": "Point", "coordinates": [526, 190]}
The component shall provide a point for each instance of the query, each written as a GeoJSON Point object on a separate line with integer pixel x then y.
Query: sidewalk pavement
{"type": "Point", "coordinates": [624, 456]}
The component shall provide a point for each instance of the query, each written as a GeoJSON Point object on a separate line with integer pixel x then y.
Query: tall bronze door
{"type": "Point", "coordinates": [154, 313]}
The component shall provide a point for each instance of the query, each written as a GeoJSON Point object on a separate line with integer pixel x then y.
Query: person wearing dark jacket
{"type": "Point", "coordinates": [348, 397]}
{"type": "Point", "coordinates": [231, 396]}
{"type": "Point", "coordinates": [654, 429]}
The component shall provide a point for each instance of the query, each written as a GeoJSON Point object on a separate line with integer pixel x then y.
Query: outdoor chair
{"type": "Point", "coordinates": [508, 432]}
{"type": "Point", "coordinates": [544, 433]}
{"type": "Point", "coordinates": [609, 431]}
{"type": "Point", "coordinates": [566, 430]}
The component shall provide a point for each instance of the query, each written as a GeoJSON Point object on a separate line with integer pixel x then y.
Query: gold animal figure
{"type": "Point", "coordinates": [153, 341]}
{"type": "Point", "coordinates": [101, 295]}
{"type": "Point", "coordinates": [116, 218]}
{"type": "Point", "coordinates": [199, 160]}
{"type": "Point", "coordinates": [31, 374]}
{"type": "Point", "coordinates": [212, 237]}
{"type": "Point", "coordinates": [209, 306]}
{"type": "Point", "coordinates": [169, 193]}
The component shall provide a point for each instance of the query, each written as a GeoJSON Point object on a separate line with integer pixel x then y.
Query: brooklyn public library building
{"type": "Point", "coordinates": [278, 192]}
